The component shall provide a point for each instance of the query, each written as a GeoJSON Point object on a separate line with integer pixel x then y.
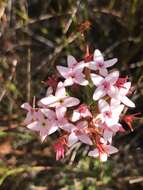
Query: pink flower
{"type": "Point", "coordinates": [121, 81]}
{"type": "Point", "coordinates": [73, 73]}
{"type": "Point", "coordinates": [103, 151]}
{"type": "Point", "coordinates": [121, 95]}
{"type": "Point", "coordinates": [128, 119]}
{"type": "Point", "coordinates": [98, 63]}
{"type": "Point", "coordinates": [52, 81]}
{"type": "Point", "coordinates": [109, 131]}
{"type": "Point", "coordinates": [105, 86]}
{"type": "Point", "coordinates": [81, 112]}
{"type": "Point", "coordinates": [60, 101]}
{"type": "Point", "coordinates": [63, 124]}
{"type": "Point", "coordinates": [32, 113]}
{"type": "Point", "coordinates": [88, 56]}
{"type": "Point", "coordinates": [59, 147]}
{"type": "Point", "coordinates": [45, 125]}
{"type": "Point", "coordinates": [49, 91]}
{"type": "Point", "coordinates": [79, 133]}
{"type": "Point", "coordinates": [109, 113]}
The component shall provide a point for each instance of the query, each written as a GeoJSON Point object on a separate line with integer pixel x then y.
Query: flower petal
{"type": "Point", "coordinates": [26, 106]}
{"type": "Point", "coordinates": [70, 101]}
{"type": "Point", "coordinates": [103, 157]}
{"type": "Point", "coordinates": [75, 116]}
{"type": "Point", "coordinates": [63, 71]}
{"type": "Point", "coordinates": [67, 127]}
{"type": "Point", "coordinates": [94, 153]}
{"type": "Point", "coordinates": [103, 106]}
{"type": "Point", "coordinates": [124, 91]}
{"type": "Point", "coordinates": [117, 127]}
{"type": "Point", "coordinates": [92, 65]}
{"type": "Point", "coordinates": [127, 102]}
{"type": "Point", "coordinates": [60, 112]}
{"type": "Point", "coordinates": [114, 102]}
{"type": "Point", "coordinates": [82, 124]}
{"type": "Point", "coordinates": [50, 101]}
{"type": "Point", "coordinates": [103, 71]}
{"type": "Point", "coordinates": [107, 135]}
{"type": "Point", "coordinates": [28, 118]}
{"type": "Point", "coordinates": [111, 149]}
{"type": "Point", "coordinates": [99, 93]}
{"type": "Point", "coordinates": [78, 68]}
{"type": "Point", "coordinates": [98, 57]}
{"type": "Point", "coordinates": [69, 81]}
{"type": "Point", "coordinates": [50, 114]}
{"type": "Point", "coordinates": [117, 110]}
{"type": "Point", "coordinates": [96, 79]}
{"type": "Point", "coordinates": [72, 139]}
{"type": "Point", "coordinates": [112, 77]}
{"type": "Point", "coordinates": [113, 92]}
{"type": "Point", "coordinates": [43, 134]}
{"type": "Point", "coordinates": [112, 121]}
{"type": "Point", "coordinates": [81, 80]}
{"type": "Point", "coordinates": [71, 61]}
{"type": "Point", "coordinates": [110, 62]}
{"type": "Point", "coordinates": [52, 128]}
{"type": "Point", "coordinates": [34, 126]}
{"type": "Point", "coordinates": [60, 91]}
{"type": "Point", "coordinates": [85, 139]}
{"type": "Point", "coordinates": [49, 91]}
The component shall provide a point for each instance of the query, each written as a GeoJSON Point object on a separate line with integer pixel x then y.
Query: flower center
{"type": "Point", "coordinates": [82, 109]}
{"type": "Point", "coordinates": [78, 132]}
{"type": "Point", "coordinates": [71, 74]}
{"type": "Point", "coordinates": [108, 114]}
{"type": "Point", "coordinates": [106, 85]}
{"type": "Point", "coordinates": [44, 124]}
{"type": "Point", "coordinates": [121, 81]}
{"type": "Point", "coordinates": [100, 64]}
{"type": "Point", "coordinates": [61, 101]}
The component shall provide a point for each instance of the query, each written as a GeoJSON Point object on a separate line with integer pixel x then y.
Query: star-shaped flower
{"type": "Point", "coordinates": [73, 73]}
{"type": "Point", "coordinates": [98, 63]}
{"type": "Point", "coordinates": [103, 151]}
{"type": "Point", "coordinates": [105, 86]}
{"type": "Point", "coordinates": [60, 101]}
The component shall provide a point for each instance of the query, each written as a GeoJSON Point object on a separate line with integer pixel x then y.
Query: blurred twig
{"type": "Point", "coordinates": [2, 8]}
{"type": "Point", "coordinates": [74, 11]}
{"type": "Point", "coordinates": [29, 75]}
{"type": "Point", "coordinates": [108, 11]}
{"type": "Point", "coordinates": [136, 180]}
{"type": "Point", "coordinates": [4, 90]}
{"type": "Point", "coordinates": [8, 172]}
{"type": "Point", "coordinates": [39, 38]}
{"type": "Point", "coordinates": [63, 43]}
{"type": "Point", "coordinates": [41, 18]}
{"type": "Point", "coordinates": [52, 58]}
{"type": "Point", "coordinates": [74, 153]}
{"type": "Point", "coordinates": [118, 43]}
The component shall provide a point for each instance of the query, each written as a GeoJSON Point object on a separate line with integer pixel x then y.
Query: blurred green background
{"type": "Point", "coordinates": [35, 36]}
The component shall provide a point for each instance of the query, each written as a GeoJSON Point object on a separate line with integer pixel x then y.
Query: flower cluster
{"type": "Point", "coordinates": [66, 111]}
